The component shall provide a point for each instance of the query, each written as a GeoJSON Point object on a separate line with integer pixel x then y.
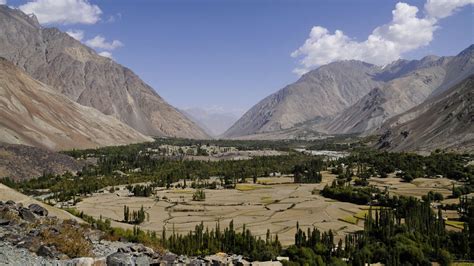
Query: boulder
{"type": "Point", "coordinates": [120, 259]}
{"type": "Point", "coordinates": [124, 250]}
{"type": "Point", "coordinates": [4, 222]}
{"type": "Point", "coordinates": [27, 215]}
{"type": "Point", "coordinates": [38, 209]}
{"type": "Point", "coordinates": [86, 261]}
{"type": "Point", "coordinates": [45, 251]}
{"type": "Point", "coordinates": [142, 260]}
{"type": "Point", "coordinates": [169, 258]}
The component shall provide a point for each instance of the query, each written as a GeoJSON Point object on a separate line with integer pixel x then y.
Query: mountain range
{"type": "Point", "coordinates": [79, 73]}
{"type": "Point", "coordinates": [353, 97]}
{"type": "Point", "coordinates": [56, 93]}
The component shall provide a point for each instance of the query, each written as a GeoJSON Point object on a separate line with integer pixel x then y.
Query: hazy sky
{"type": "Point", "coordinates": [229, 54]}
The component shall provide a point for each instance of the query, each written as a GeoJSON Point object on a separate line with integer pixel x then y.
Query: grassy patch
{"type": "Point", "coordinates": [361, 215]}
{"type": "Point", "coordinates": [248, 187]}
{"type": "Point", "coordinates": [181, 191]}
{"type": "Point", "coordinates": [349, 219]}
{"type": "Point", "coordinates": [266, 199]}
{"type": "Point", "coordinates": [455, 224]}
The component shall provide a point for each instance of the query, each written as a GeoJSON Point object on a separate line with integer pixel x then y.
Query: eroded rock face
{"type": "Point", "coordinates": [73, 69]}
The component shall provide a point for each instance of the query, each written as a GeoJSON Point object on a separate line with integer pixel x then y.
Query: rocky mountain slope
{"type": "Point", "coordinates": [13, 159]}
{"type": "Point", "coordinates": [9, 194]}
{"type": "Point", "coordinates": [355, 97]}
{"type": "Point", "coordinates": [34, 114]}
{"type": "Point", "coordinates": [399, 95]}
{"type": "Point", "coordinates": [320, 93]}
{"type": "Point", "coordinates": [445, 121]}
{"type": "Point", "coordinates": [73, 69]}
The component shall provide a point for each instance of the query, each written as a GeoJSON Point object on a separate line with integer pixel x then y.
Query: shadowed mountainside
{"type": "Point", "coordinates": [445, 121]}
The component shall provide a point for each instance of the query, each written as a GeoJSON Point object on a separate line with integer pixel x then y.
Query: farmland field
{"type": "Point", "coordinates": [260, 207]}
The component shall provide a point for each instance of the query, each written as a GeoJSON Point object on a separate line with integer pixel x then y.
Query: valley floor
{"type": "Point", "coordinates": [274, 203]}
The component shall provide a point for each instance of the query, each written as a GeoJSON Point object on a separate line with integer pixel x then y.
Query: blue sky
{"type": "Point", "coordinates": [229, 54]}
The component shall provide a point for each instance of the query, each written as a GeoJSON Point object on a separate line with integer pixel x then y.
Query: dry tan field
{"type": "Point", "coordinates": [417, 188]}
{"type": "Point", "coordinates": [275, 203]}
{"type": "Point", "coordinates": [257, 206]}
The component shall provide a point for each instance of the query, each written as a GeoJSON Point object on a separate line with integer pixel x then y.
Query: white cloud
{"type": "Point", "coordinates": [385, 44]}
{"type": "Point", "coordinates": [76, 34]}
{"type": "Point", "coordinates": [3, 2]}
{"type": "Point", "coordinates": [99, 42]}
{"type": "Point", "coordinates": [106, 54]}
{"type": "Point", "coordinates": [444, 8]}
{"type": "Point", "coordinates": [63, 11]}
{"type": "Point", "coordinates": [114, 18]}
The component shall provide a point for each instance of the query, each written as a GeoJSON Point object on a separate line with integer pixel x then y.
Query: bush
{"type": "Point", "coordinates": [199, 195]}
{"type": "Point", "coordinates": [69, 240]}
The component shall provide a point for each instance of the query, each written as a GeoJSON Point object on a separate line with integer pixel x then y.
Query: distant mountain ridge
{"type": "Point", "coordinates": [73, 69]}
{"type": "Point", "coordinates": [352, 96]}
{"type": "Point", "coordinates": [214, 123]}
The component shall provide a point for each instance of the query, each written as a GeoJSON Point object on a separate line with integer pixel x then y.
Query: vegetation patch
{"type": "Point", "coordinates": [455, 224]}
{"type": "Point", "coordinates": [266, 200]}
{"type": "Point", "coordinates": [362, 215]}
{"type": "Point", "coordinates": [350, 219]}
{"type": "Point", "coordinates": [248, 187]}
{"type": "Point", "coordinates": [68, 240]}
{"type": "Point", "coordinates": [181, 191]}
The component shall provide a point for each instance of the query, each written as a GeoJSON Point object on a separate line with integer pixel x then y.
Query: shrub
{"type": "Point", "coordinates": [69, 240]}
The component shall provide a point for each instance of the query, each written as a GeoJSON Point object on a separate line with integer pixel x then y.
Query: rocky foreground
{"type": "Point", "coordinates": [29, 236]}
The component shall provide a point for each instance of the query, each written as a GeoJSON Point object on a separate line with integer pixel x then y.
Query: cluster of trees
{"type": "Point", "coordinates": [159, 171]}
{"type": "Point", "coordinates": [204, 241]}
{"type": "Point", "coordinates": [283, 145]}
{"type": "Point", "coordinates": [141, 190]}
{"type": "Point", "coordinates": [313, 247]}
{"type": "Point", "coordinates": [310, 172]}
{"type": "Point", "coordinates": [343, 191]}
{"type": "Point", "coordinates": [433, 196]}
{"type": "Point", "coordinates": [134, 217]}
{"type": "Point", "coordinates": [204, 184]}
{"type": "Point", "coordinates": [465, 189]}
{"type": "Point", "coordinates": [450, 165]}
{"type": "Point", "coordinates": [412, 235]}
